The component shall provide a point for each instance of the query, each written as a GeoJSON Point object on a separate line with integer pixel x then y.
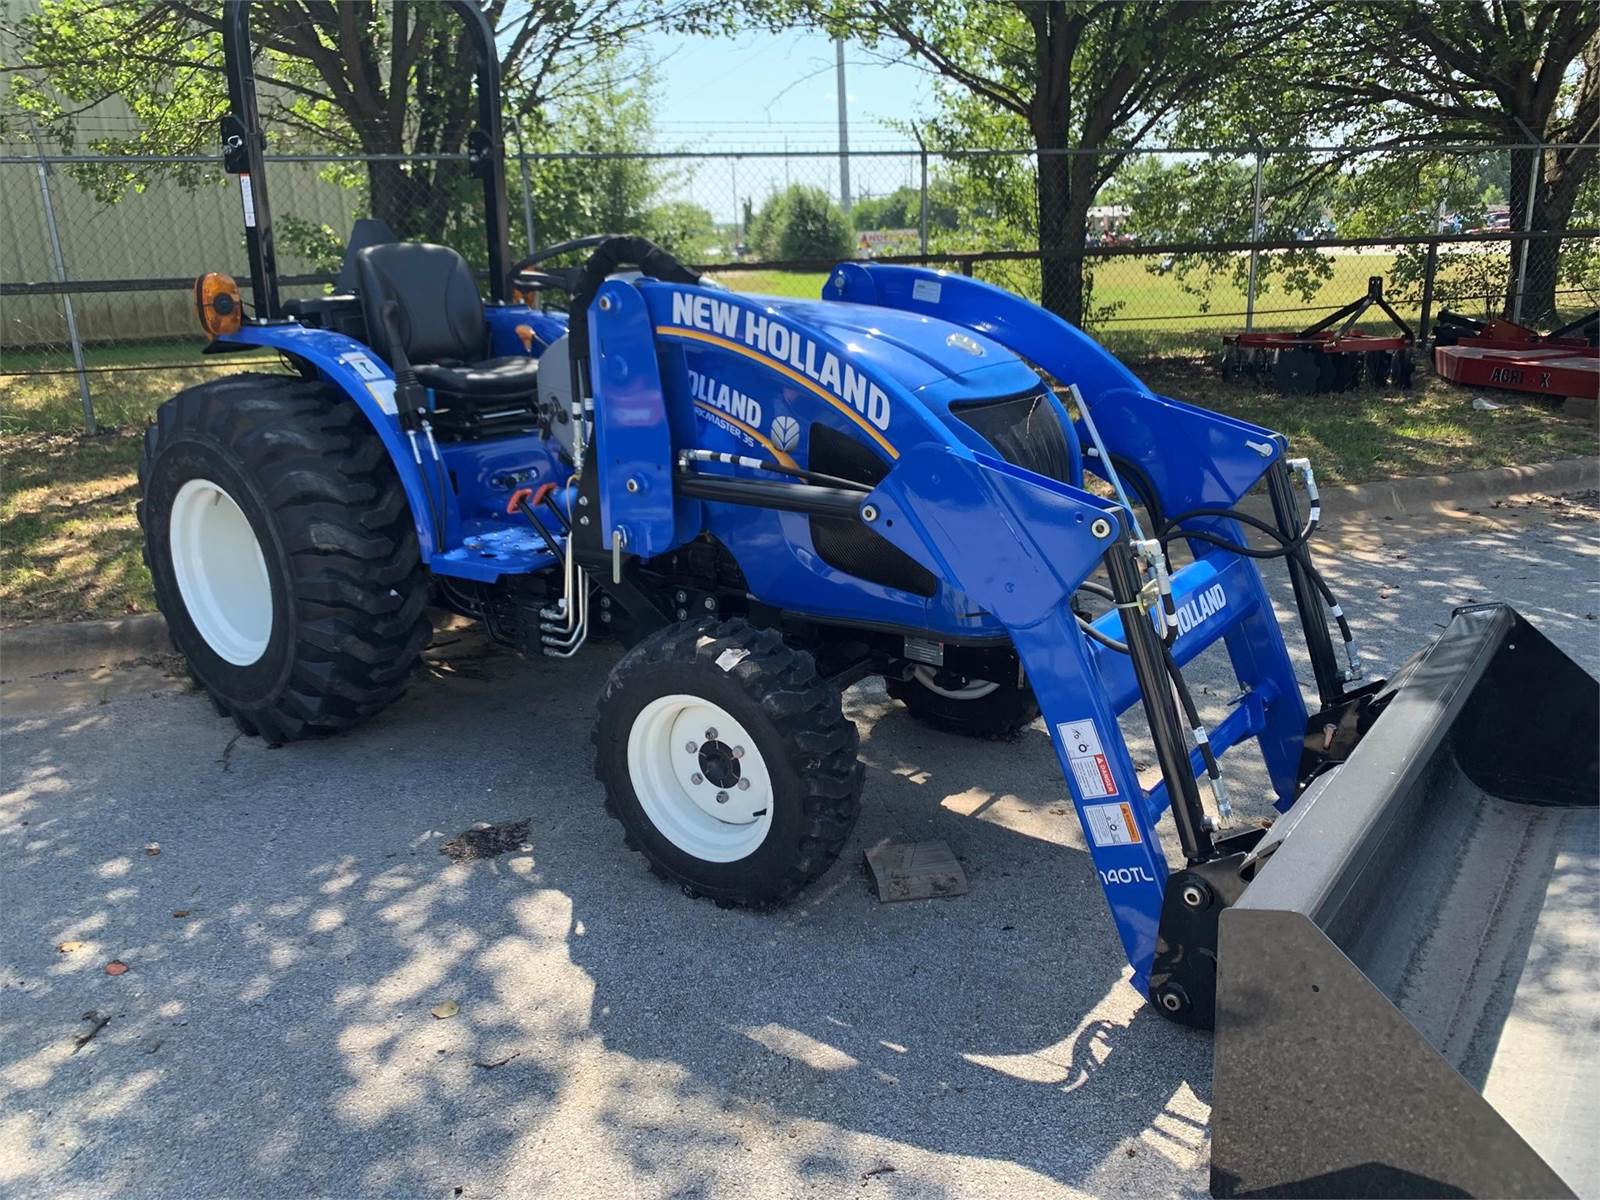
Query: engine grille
{"type": "Point", "coordinates": [1024, 430]}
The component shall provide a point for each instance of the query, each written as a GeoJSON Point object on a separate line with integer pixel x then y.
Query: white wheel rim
{"type": "Point", "coordinates": [683, 754]}
{"type": "Point", "coordinates": [976, 689]}
{"type": "Point", "coordinates": [221, 572]}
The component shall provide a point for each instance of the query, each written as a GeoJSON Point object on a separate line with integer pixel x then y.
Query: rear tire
{"type": "Point", "coordinates": [778, 728]}
{"type": "Point", "coordinates": [990, 709]}
{"type": "Point", "coordinates": [283, 554]}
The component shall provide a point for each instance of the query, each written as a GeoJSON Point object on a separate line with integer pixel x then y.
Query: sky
{"type": "Point", "coordinates": [764, 91]}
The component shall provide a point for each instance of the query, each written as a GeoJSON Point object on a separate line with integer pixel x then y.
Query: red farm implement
{"type": "Point", "coordinates": [1502, 354]}
{"type": "Point", "coordinates": [1330, 356]}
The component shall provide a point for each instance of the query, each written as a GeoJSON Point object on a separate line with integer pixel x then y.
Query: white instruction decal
{"type": "Point", "coordinates": [927, 289]}
{"type": "Point", "coordinates": [249, 201]}
{"type": "Point", "coordinates": [1090, 769]}
{"type": "Point", "coordinates": [1111, 825]}
{"type": "Point", "coordinates": [362, 365]}
{"type": "Point", "coordinates": [732, 657]}
{"type": "Point", "coordinates": [380, 386]}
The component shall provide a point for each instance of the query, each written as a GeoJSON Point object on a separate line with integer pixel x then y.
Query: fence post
{"type": "Point", "coordinates": [922, 218]}
{"type": "Point", "coordinates": [1255, 250]}
{"type": "Point", "coordinates": [1428, 273]}
{"type": "Point", "coordinates": [527, 186]}
{"type": "Point", "coordinates": [60, 259]}
{"type": "Point", "coordinates": [1535, 160]}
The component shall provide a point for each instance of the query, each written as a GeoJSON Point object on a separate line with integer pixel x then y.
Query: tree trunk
{"type": "Point", "coordinates": [399, 200]}
{"type": "Point", "coordinates": [1060, 276]}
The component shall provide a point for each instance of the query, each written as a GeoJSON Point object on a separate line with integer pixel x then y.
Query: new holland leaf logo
{"type": "Point", "coordinates": [785, 433]}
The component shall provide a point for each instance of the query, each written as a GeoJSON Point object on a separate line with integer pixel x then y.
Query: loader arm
{"type": "Point", "coordinates": [1021, 545]}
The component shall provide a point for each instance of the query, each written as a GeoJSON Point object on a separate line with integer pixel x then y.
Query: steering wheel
{"type": "Point", "coordinates": [523, 277]}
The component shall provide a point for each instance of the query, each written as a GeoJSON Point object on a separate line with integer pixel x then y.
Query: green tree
{"type": "Point", "coordinates": [358, 76]}
{"type": "Point", "coordinates": [688, 230]}
{"type": "Point", "coordinates": [801, 222]}
{"type": "Point", "coordinates": [1436, 72]}
{"type": "Point", "coordinates": [1078, 82]}
{"type": "Point", "coordinates": [902, 209]}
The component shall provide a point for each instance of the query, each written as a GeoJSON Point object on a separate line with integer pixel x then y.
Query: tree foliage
{"type": "Point", "coordinates": [1079, 82]}
{"type": "Point", "coordinates": [801, 222]}
{"type": "Point", "coordinates": [1429, 74]}
{"type": "Point", "coordinates": [358, 76]}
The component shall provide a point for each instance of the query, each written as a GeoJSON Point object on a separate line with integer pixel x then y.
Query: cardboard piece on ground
{"type": "Point", "coordinates": [915, 871]}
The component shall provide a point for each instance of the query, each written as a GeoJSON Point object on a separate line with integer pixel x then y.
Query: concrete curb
{"type": "Point", "coordinates": [1424, 493]}
{"type": "Point", "coordinates": [48, 649]}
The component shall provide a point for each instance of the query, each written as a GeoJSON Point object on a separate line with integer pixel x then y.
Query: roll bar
{"type": "Point", "coordinates": [244, 146]}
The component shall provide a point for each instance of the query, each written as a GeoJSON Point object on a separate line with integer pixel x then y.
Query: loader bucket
{"type": "Point", "coordinates": [1408, 991]}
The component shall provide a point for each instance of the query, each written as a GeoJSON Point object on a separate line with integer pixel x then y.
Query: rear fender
{"type": "Point", "coordinates": [358, 372]}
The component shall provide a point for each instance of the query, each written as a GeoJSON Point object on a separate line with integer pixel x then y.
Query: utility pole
{"type": "Point", "coordinates": [844, 129]}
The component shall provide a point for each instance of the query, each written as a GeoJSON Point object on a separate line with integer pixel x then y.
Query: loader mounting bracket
{"type": "Point", "coordinates": [1183, 974]}
{"type": "Point", "coordinates": [1336, 730]}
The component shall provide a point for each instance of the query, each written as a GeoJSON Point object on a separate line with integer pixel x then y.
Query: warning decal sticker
{"type": "Point", "coordinates": [1111, 824]}
{"type": "Point", "coordinates": [1090, 769]}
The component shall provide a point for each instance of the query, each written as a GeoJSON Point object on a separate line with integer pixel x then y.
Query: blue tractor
{"type": "Point", "coordinates": [766, 500]}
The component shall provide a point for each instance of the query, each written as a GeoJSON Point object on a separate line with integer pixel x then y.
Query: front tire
{"type": "Point", "coordinates": [729, 763]}
{"type": "Point", "coordinates": [282, 552]}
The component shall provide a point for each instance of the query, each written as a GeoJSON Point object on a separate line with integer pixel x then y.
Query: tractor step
{"type": "Point", "coordinates": [488, 549]}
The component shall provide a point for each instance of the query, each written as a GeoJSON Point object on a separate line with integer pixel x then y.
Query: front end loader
{"type": "Point", "coordinates": [920, 477]}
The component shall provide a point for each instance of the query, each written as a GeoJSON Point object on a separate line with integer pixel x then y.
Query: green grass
{"type": "Point", "coordinates": [69, 539]}
{"type": "Point", "coordinates": [1387, 433]}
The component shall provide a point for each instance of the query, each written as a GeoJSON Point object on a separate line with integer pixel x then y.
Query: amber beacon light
{"type": "Point", "coordinates": [217, 304]}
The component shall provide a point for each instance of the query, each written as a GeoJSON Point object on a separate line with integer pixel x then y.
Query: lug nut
{"type": "Point", "coordinates": [691, 747]}
{"type": "Point", "coordinates": [711, 735]}
{"type": "Point", "coordinates": [744, 785]}
{"type": "Point", "coordinates": [738, 751]}
{"type": "Point", "coordinates": [722, 797]}
{"type": "Point", "coordinates": [697, 778]}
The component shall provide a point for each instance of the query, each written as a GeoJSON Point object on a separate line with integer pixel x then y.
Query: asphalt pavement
{"type": "Point", "coordinates": [289, 926]}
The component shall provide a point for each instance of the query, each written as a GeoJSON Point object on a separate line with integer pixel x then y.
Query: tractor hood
{"type": "Point", "coordinates": [935, 360]}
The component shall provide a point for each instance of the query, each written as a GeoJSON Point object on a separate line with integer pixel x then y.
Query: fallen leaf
{"type": "Point", "coordinates": [152, 848]}
{"type": "Point", "coordinates": [445, 1009]}
{"type": "Point", "coordinates": [116, 967]}
{"type": "Point", "coordinates": [69, 947]}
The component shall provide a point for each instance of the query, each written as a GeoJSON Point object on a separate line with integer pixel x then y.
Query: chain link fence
{"type": "Point", "coordinates": [98, 254]}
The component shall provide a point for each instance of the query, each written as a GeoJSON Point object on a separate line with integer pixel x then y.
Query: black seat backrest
{"type": "Point", "coordinates": [367, 231]}
{"type": "Point", "coordinates": [441, 316]}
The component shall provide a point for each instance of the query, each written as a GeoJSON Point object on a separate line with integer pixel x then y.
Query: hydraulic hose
{"type": "Point", "coordinates": [1285, 548]}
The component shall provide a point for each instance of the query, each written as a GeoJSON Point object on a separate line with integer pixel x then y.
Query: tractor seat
{"type": "Point", "coordinates": [441, 322]}
{"type": "Point", "coordinates": [497, 378]}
